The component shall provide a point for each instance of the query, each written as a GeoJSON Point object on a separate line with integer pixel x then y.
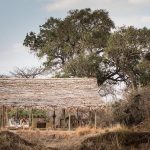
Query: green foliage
{"type": "Point", "coordinates": [39, 113]}
{"type": "Point", "coordinates": [135, 109]}
{"type": "Point", "coordinates": [21, 112]}
{"type": "Point", "coordinates": [62, 75]}
{"type": "Point", "coordinates": [18, 112]}
{"type": "Point", "coordinates": [129, 113]}
{"type": "Point", "coordinates": [118, 112]}
{"type": "Point", "coordinates": [83, 66]}
{"type": "Point", "coordinates": [60, 40]}
{"type": "Point", "coordinates": [127, 48]}
{"type": "Point", "coordinates": [144, 72]}
{"type": "Point", "coordinates": [82, 45]}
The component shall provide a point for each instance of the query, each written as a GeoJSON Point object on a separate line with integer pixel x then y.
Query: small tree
{"type": "Point", "coordinates": [27, 72]}
{"type": "Point", "coordinates": [3, 76]}
{"type": "Point", "coordinates": [62, 40]}
{"type": "Point", "coordinates": [135, 109]}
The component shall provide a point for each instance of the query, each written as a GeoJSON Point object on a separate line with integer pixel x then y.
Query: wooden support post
{"type": "Point", "coordinates": [3, 116]}
{"type": "Point", "coordinates": [3, 107]}
{"type": "Point", "coordinates": [77, 117]}
{"type": "Point", "coordinates": [90, 118]}
{"type": "Point", "coordinates": [17, 117]}
{"type": "Point", "coordinates": [6, 114]}
{"type": "Point", "coordinates": [54, 117]}
{"type": "Point", "coordinates": [64, 117]}
{"type": "Point", "coordinates": [69, 123]}
{"type": "Point", "coordinates": [30, 116]}
{"type": "Point", "coordinates": [95, 119]}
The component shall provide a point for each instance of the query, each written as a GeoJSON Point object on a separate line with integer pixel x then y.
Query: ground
{"type": "Point", "coordinates": [115, 138]}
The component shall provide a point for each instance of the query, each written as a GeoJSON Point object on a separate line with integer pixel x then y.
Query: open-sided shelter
{"type": "Point", "coordinates": [64, 93]}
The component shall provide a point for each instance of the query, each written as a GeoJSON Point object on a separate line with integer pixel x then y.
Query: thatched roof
{"type": "Point", "coordinates": [64, 92]}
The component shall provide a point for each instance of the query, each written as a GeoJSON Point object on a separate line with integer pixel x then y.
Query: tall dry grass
{"type": "Point", "coordinates": [80, 131]}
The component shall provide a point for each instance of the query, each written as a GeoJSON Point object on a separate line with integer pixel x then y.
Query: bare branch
{"type": "Point", "coordinates": [3, 76]}
{"type": "Point", "coordinates": [27, 72]}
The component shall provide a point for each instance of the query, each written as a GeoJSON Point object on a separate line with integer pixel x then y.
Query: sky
{"type": "Point", "coordinates": [18, 17]}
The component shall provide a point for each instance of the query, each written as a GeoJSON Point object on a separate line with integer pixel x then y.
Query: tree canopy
{"type": "Point", "coordinates": [84, 45]}
{"type": "Point", "coordinates": [61, 40]}
{"type": "Point", "coordinates": [129, 49]}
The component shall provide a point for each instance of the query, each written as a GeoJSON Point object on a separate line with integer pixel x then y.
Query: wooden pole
{"type": "Point", "coordinates": [17, 117]}
{"type": "Point", "coordinates": [90, 117]}
{"type": "Point", "coordinates": [29, 116]}
{"type": "Point", "coordinates": [54, 117]}
{"type": "Point", "coordinates": [69, 125]}
{"type": "Point", "coordinates": [32, 117]}
{"type": "Point", "coordinates": [95, 119]}
{"type": "Point", "coordinates": [3, 116]}
{"type": "Point", "coordinates": [6, 114]}
{"type": "Point", "coordinates": [3, 107]}
{"type": "Point", "coordinates": [77, 117]}
{"type": "Point", "coordinates": [64, 117]}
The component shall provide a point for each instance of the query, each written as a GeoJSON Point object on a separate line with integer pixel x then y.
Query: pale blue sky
{"type": "Point", "coordinates": [17, 17]}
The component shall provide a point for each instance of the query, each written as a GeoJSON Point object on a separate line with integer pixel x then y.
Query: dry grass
{"type": "Point", "coordinates": [11, 141]}
{"type": "Point", "coordinates": [79, 137]}
{"type": "Point", "coordinates": [59, 138]}
{"type": "Point", "coordinates": [117, 127]}
{"type": "Point", "coordinates": [80, 131]}
{"type": "Point", "coordinates": [38, 136]}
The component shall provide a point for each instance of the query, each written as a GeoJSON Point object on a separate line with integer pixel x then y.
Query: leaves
{"type": "Point", "coordinates": [127, 48]}
{"type": "Point", "coordinates": [61, 40]}
{"type": "Point", "coordinates": [82, 45]}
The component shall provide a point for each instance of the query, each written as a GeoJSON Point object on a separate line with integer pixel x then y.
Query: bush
{"type": "Point", "coordinates": [135, 109]}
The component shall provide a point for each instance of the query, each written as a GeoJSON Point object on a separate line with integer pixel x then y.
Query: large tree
{"type": "Point", "coordinates": [129, 49]}
{"type": "Point", "coordinates": [82, 45]}
{"type": "Point", "coordinates": [81, 32]}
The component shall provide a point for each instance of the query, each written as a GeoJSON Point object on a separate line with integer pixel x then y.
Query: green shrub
{"type": "Point", "coordinates": [135, 109]}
